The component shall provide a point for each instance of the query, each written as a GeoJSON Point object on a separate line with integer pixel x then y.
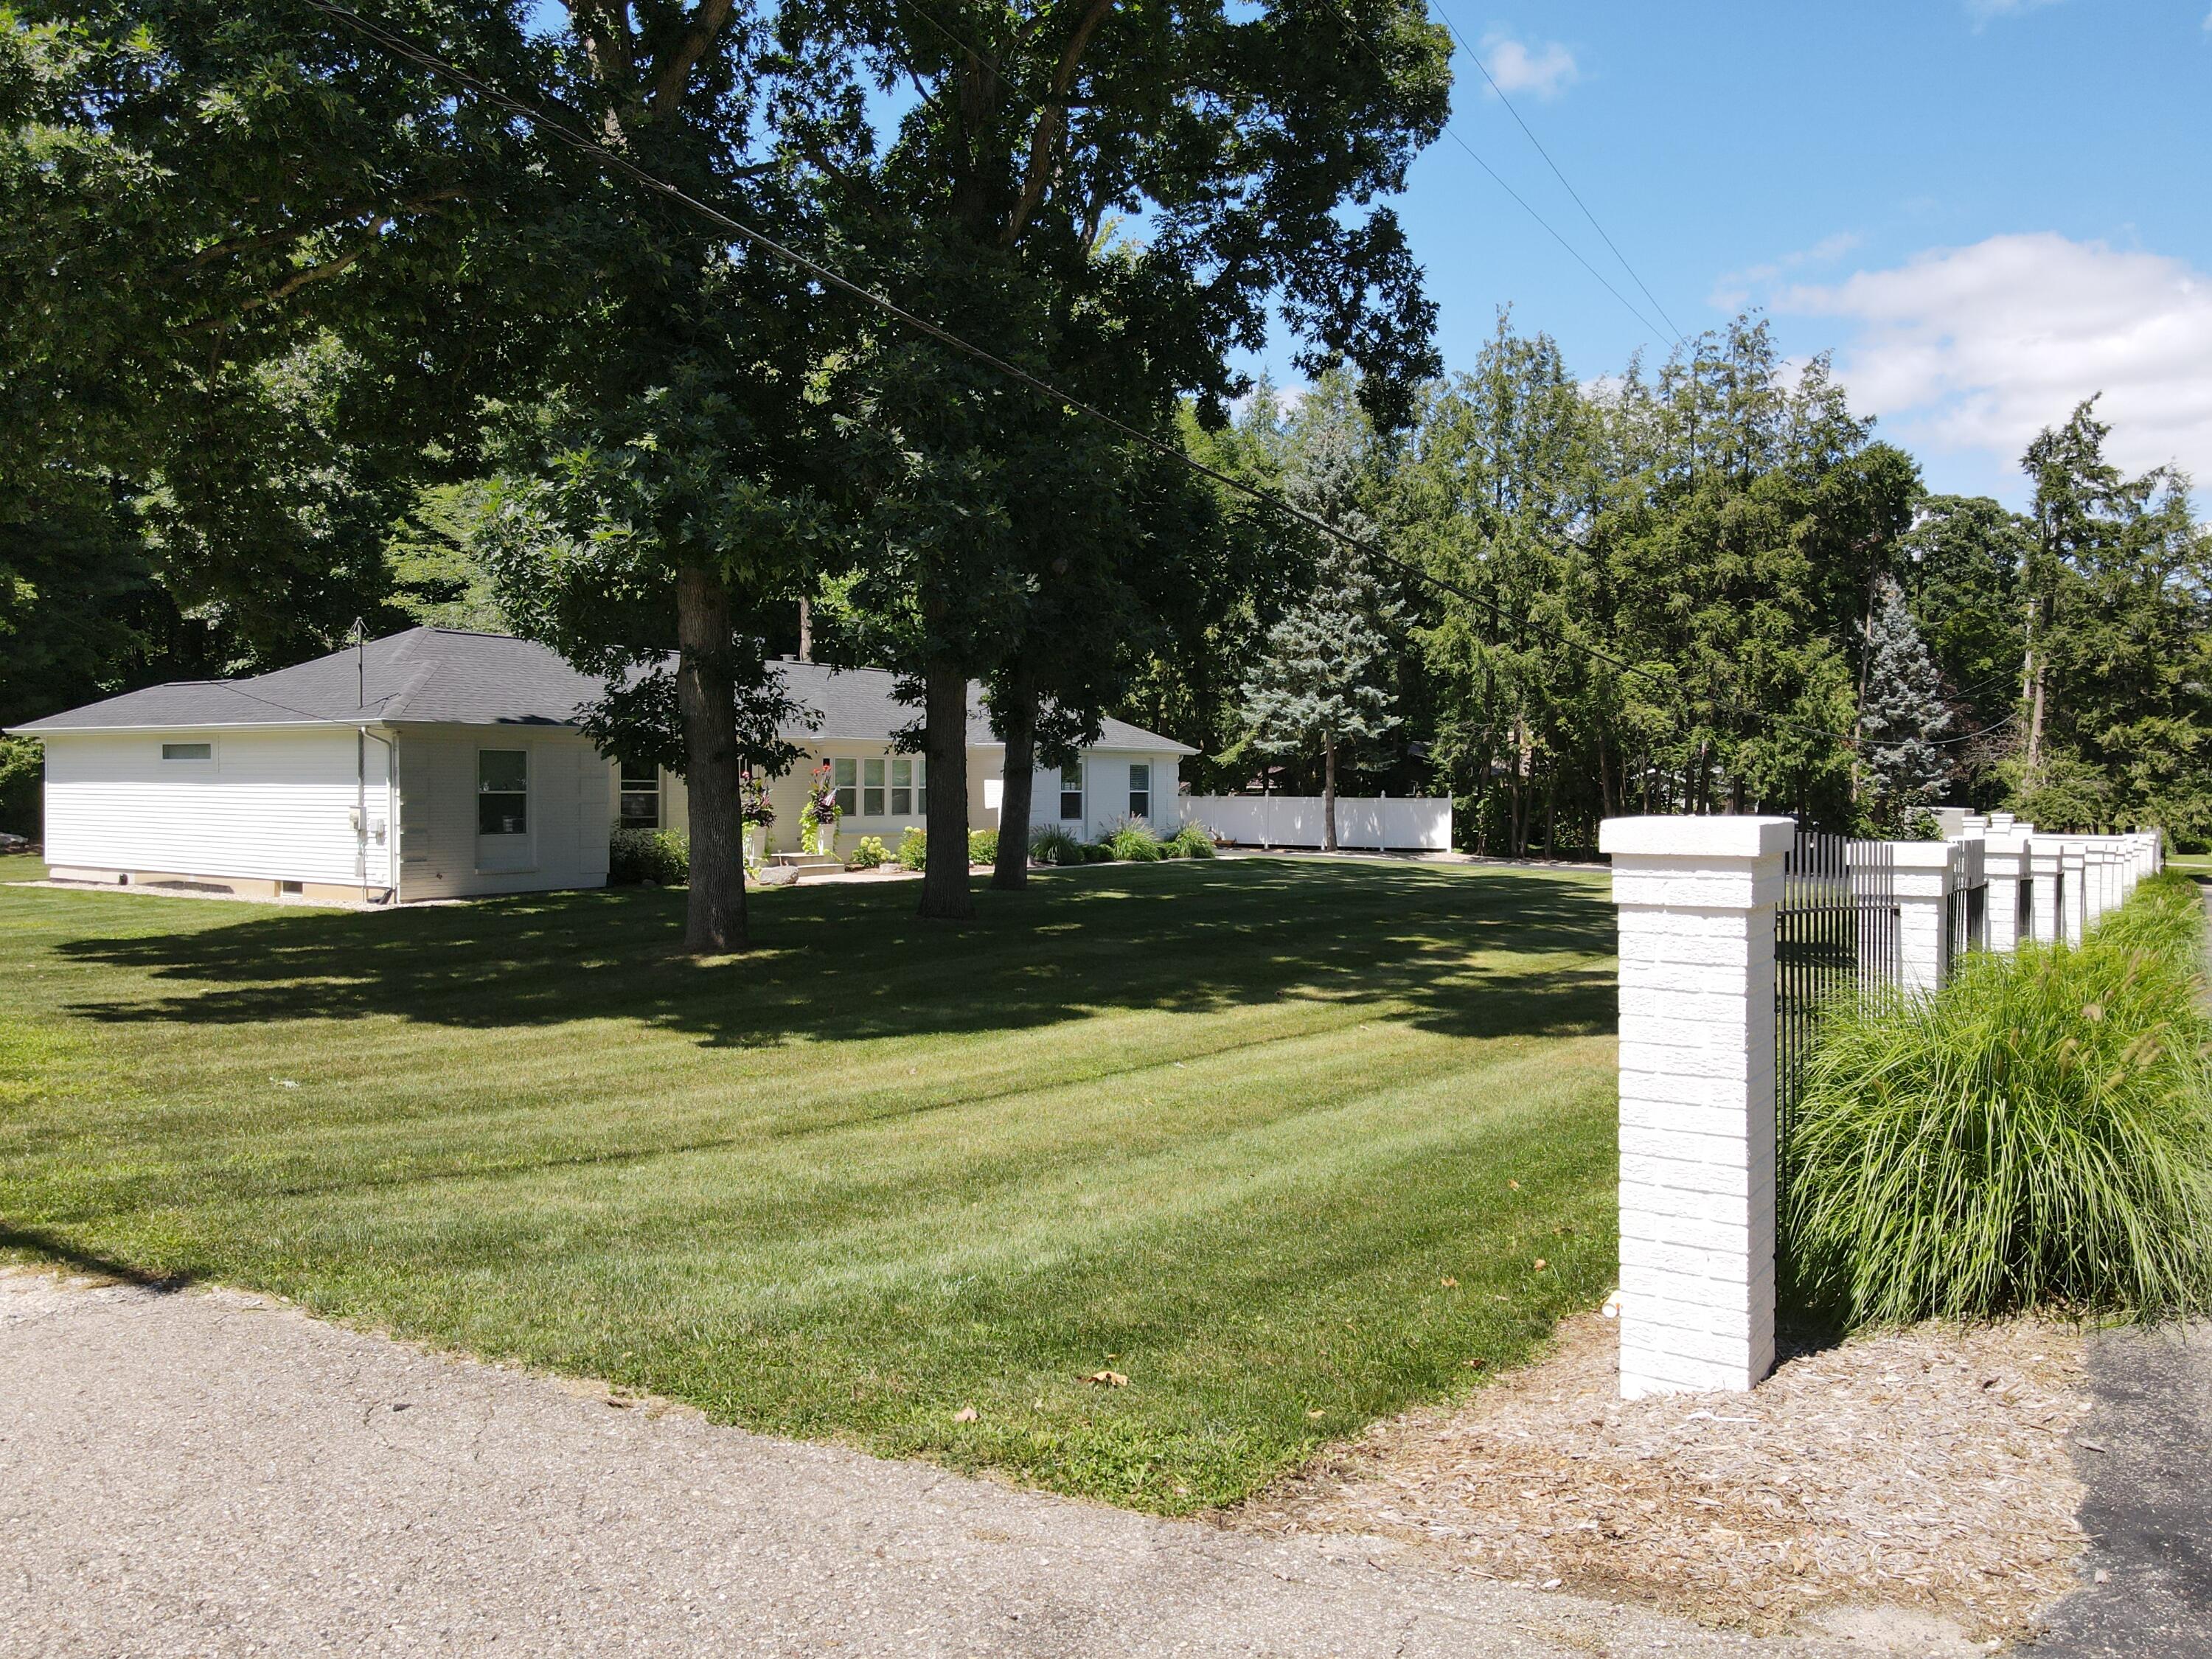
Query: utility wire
{"type": "Point", "coordinates": [1453, 133]}
{"type": "Point", "coordinates": [615, 161]}
{"type": "Point", "coordinates": [1554, 166]}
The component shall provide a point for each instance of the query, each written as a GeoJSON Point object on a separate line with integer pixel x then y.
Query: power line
{"type": "Point", "coordinates": [1556, 174]}
{"type": "Point", "coordinates": [1453, 133]}
{"type": "Point", "coordinates": [615, 161]}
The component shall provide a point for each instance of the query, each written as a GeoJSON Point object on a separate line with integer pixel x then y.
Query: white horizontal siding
{"type": "Point", "coordinates": [271, 805]}
{"type": "Point", "coordinates": [569, 811]}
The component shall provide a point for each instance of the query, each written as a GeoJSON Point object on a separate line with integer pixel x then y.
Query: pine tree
{"type": "Point", "coordinates": [1323, 679]}
{"type": "Point", "coordinates": [1903, 716]}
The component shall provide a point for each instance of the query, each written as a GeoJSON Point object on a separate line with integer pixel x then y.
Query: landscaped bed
{"type": "Point", "coordinates": [1288, 1146]}
{"type": "Point", "coordinates": [1925, 1470]}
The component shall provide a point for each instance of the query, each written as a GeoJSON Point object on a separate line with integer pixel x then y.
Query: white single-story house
{"type": "Point", "coordinates": [436, 762]}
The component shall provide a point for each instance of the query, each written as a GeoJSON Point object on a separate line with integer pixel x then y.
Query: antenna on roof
{"type": "Point", "coordinates": [360, 664]}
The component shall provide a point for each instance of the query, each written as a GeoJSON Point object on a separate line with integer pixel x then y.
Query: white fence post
{"type": "Point", "coordinates": [1696, 899]}
{"type": "Point", "coordinates": [2044, 865]}
{"type": "Point", "coordinates": [1923, 911]}
{"type": "Point", "coordinates": [2074, 898]}
{"type": "Point", "coordinates": [2005, 859]}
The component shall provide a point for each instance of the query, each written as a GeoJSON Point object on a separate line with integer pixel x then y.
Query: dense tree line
{"type": "Point", "coordinates": [1710, 588]}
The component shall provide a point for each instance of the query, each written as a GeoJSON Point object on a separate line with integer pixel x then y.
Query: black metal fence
{"type": "Point", "coordinates": [1835, 935]}
{"type": "Point", "coordinates": [1966, 927]}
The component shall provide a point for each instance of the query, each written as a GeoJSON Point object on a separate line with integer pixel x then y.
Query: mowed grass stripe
{"type": "Point", "coordinates": [1234, 1125]}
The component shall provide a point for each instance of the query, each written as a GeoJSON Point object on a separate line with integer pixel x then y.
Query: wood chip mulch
{"type": "Point", "coordinates": [1925, 1469]}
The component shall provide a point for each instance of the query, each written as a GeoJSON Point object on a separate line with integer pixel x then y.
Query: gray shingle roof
{"type": "Point", "coordinates": [445, 675]}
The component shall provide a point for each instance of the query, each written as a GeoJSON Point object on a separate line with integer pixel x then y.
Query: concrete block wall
{"type": "Point", "coordinates": [1696, 899]}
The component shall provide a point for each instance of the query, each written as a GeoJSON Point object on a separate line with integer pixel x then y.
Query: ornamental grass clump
{"type": "Point", "coordinates": [1135, 840]}
{"type": "Point", "coordinates": [1051, 844]}
{"type": "Point", "coordinates": [2036, 1134]}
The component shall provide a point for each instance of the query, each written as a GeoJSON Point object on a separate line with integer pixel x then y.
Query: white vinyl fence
{"type": "Point", "coordinates": [1410, 825]}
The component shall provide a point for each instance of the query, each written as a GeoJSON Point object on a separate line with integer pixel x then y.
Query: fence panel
{"type": "Point", "coordinates": [1407, 824]}
{"type": "Point", "coordinates": [1835, 935]}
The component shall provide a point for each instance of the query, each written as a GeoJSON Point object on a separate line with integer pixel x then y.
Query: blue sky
{"type": "Point", "coordinates": [1985, 209]}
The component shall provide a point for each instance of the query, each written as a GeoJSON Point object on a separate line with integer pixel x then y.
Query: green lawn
{"type": "Point", "coordinates": [1230, 1130]}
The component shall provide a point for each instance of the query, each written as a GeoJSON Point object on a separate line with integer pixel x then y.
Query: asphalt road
{"type": "Point", "coordinates": [205, 1473]}
{"type": "Point", "coordinates": [2146, 1455]}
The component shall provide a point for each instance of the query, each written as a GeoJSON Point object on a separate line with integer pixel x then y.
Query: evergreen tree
{"type": "Point", "coordinates": [1324, 679]}
{"type": "Point", "coordinates": [1903, 716]}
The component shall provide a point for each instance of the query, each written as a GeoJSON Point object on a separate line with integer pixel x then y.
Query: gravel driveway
{"type": "Point", "coordinates": [210, 1473]}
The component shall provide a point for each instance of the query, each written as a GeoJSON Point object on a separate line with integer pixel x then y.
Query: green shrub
{"type": "Point", "coordinates": [656, 855]}
{"type": "Point", "coordinates": [1192, 841]}
{"type": "Point", "coordinates": [912, 849]}
{"type": "Point", "coordinates": [1055, 845]}
{"type": "Point", "coordinates": [1097, 852]}
{"type": "Point", "coordinates": [2038, 1133]}
{"type": "Point", "coordinates": [982, 847]}
{"type": "Point", "coordinates": [870, 854]}
{"type": "Point", "coordinates": [1135, 840]}
{"type": "Point", "coordinates": [22, 771]}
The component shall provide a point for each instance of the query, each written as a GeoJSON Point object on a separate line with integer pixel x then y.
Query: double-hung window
{"type": "Point", "coordinates": [1140, 790]}
{"type": "Point", "coordinates": [1070, 792]}
{"type": "Point", "coordinates": [902, 786]}
{"type": "Point", "coordinates": [640, 795]}
{"type": "Point", "coordinates": [845, 778]}
{"type": "Point", "coordinates": [502, 792]}
{"type": "Point", "coordinates": [871, 788]}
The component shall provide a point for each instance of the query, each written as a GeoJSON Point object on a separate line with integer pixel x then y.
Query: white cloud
{"type": "Point", "coordinates": [1732, 292]}
{"type": "Point", "coordinates": [1545, 71]}
{"type": "Point", "coordinates": [1977, 349]}
{"type": "Point", "coordinates": [1983, 11]}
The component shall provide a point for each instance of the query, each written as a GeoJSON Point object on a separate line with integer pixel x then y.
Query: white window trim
{"type": "Point", "coordinates": [859, 814]}
{"type": "Point", "coordinates": [207, 760]}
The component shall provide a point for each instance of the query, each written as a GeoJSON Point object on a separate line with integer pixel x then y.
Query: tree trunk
{"type": "Point", "coordinates": [1328, 794]}
{"type": "Point", "coordinates": [945, 895]}
{"type": "Point", "coordinates": [1010, 872]}
{"type": "Point", "coordinates": [706, 696]}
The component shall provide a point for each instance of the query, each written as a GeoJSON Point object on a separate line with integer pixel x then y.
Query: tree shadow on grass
{"type": "Point", "coordinates": [1465, 952]}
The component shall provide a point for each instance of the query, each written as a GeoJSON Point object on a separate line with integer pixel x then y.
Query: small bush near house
{"type": "Point", "coordinates": [982, 847]}
{"type": "Point", "coordinates": [1055, 845]}
{"type": "Point", "coordinates": [658, 855]}
{"type": "Point", "coordinates": [1135, 841]}
{"type": "Point", "coordinates": [912, 849]}
{"type": "Point", "coordinates": [2038, 1133]}
{"type": "Point", "coordinates": [1097, 852]}
{"type": "Point", "coordinates": [1192, 841]}
{"type": "Point", "coordinates": [870, 854]}
{"type": "Point", "coordinates": [22, 769]}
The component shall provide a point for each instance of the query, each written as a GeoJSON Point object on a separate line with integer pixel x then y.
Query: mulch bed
{"type": "Point", "coordinates": [1925, 1469]}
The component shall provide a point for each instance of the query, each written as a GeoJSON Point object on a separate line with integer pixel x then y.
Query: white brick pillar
{"type": "Point", "coordinates": [2004, 859]}
{"type": "Point", "coordinates": [2074, 897]}
{"type": "Point", "coordinates": [1696, 899]}
{"type": "Point", "coordinates": [2045, 862]}
{"type": "Point", "coordinates": [1923, 911]}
